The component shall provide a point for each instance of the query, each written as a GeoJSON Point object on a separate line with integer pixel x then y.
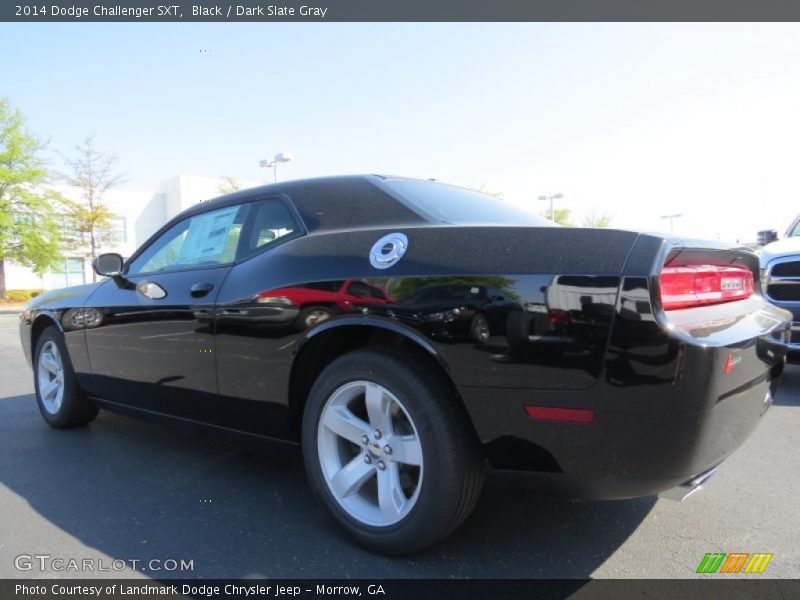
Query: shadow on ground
{"type": "Point", "coordinates": [789, 391]}
{"type": "Point", "coordinates": [131, 489]}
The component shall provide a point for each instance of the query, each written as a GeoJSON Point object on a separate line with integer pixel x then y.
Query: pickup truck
{"type": "Point", "coordinates": [780, 279]}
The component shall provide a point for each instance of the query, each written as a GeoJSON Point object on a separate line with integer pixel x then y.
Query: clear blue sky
{"type": "Point", "coordinates": [636, 120]}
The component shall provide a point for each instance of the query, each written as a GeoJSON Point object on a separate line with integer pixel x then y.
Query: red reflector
{"type": "Point", "coordinates": [550, 413]}
{"type": "Point", "coordinates": [732, 362]}
{"type": "Point", "coordinates": [684, 287]}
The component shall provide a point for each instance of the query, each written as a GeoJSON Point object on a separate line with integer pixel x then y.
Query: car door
{"type": "Point", "coordinates": [497, 309]}
{"type": "Point", "coordinates": [153, 345]}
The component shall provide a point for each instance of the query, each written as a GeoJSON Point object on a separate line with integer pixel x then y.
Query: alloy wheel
{"type": "Point", "coordinates": [370, 453]}
{"type": "Point", "coordinates": [50, 373]}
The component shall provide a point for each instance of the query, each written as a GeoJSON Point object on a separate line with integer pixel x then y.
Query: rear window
{"type": "Point", "coordinates": [444, 203]}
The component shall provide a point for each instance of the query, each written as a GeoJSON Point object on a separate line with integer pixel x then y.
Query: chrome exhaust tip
{"type": "Point", "coordinates": [689, 488]}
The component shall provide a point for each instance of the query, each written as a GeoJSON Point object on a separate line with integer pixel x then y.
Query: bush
{"type": "Point", "coordinates": [22, 295]}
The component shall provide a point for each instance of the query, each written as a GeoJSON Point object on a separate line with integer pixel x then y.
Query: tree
{"type": "Point", "coordinates": [482, 190]}
{"type": "Point", "coordinates": [94, 173]}
{"type": "Point", "coordinates": [593, 219]}
{"type": "Point", "coordinates": [29, 233]}
{"type": "Point", "coordinates": [229, 185]}
{"type": "Point", "coordinates": [560, 216]}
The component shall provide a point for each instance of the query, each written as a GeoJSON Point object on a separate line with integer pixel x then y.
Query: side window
{"type": "Point", "coordinates": [359, 288]}
{"type": "Point", "coordinates": [271, 221]}
{"type": "Point", "coordinates": [206, 239]}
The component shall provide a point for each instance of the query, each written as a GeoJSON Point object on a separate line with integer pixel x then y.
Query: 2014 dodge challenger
{"type": "Point", "coordinates": [405, 333]}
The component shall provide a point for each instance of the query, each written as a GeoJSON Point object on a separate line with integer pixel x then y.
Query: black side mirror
{"type": "Point", "coordinates": [498, 298]}
{"type": "Point", "coordinates": [108, 265]}
{"type": "Point", "coordinates": [766, 236]}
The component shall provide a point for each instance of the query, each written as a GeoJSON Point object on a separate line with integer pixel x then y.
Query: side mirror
{"type": "Point", "coordinates": [498, 298]}
{"type": "Point", "coordinates": [766, 236]}
{"type": "Point", "coordinates": [108, 265]}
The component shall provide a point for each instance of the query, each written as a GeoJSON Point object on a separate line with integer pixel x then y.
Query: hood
{"type": "Point", "coordinates": [64, 297]}
{"type": "Point", "coordinates": [785, 247]}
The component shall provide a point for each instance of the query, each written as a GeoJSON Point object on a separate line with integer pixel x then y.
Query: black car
{"type": "Point", "coordinates": [621, 364]}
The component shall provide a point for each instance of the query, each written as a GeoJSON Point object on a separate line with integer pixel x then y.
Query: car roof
{"type": "Point", "coordinates": [329, 203]}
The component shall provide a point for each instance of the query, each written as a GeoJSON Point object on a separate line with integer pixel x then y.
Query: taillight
{"type": "Point", "coordinates": [684, 287]}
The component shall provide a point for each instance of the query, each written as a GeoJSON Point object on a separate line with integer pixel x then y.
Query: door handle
{"type": "Point", "coordinates": [201, 289]}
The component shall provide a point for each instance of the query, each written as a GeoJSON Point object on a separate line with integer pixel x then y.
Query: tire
{"type": "Point", "coordinates": [62, 404]}
{"type": "Point", "coordinates": [313, 315]}
{"type": "Point", "coordinates": [427, 502]}
{"type": "Point", "coordinates": [479, 328]}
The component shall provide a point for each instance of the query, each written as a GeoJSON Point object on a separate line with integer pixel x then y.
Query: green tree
{"type": "Point", "coordinates": [94, 173]}
{"type": "Point", "coordinates": [561, 216]}
{"type": "Point", "coordinates": [229, 185]}
{"type": "Point", "coordinates": [482, 190]}
{"type": "Point", "coordinates": [29, 233]}
{"type": "Point", "coordinates": [597, 220]}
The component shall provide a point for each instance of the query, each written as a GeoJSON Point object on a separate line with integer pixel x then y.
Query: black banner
{"type": "Point", "coordinates": [419, 589]}
{"type": "Point", "coordinates": [401, 10]}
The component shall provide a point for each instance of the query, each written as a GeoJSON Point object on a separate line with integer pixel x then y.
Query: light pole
{"type": "Point", "coordinates": [273, 164]}
{"type": "Point", "coordinates": [671, 219]}
{"type": "Point", "coordinates": [552, 197]}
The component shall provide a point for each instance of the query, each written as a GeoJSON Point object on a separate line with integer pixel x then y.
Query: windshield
{"type": "Point", "coordinates": [444, 203]}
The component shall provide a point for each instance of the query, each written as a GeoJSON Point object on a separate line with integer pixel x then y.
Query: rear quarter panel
{"type": "Point", "coordinates": [575, 271]}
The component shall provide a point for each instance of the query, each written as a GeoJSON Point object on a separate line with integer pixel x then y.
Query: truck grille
{"type": "Point", "coordinates": [784, 292]}
{"type": "Point", "coordinates": [783, 280]}
{"type": "Point", "coordinates": [787, 269]}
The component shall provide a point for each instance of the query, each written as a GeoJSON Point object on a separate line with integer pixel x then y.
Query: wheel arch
{"type": "Point", "coordinates": [330, 340]}
{"type": "Point", "coordinates": [41, 322]}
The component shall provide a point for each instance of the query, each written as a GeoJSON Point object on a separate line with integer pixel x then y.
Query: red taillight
{"type": "Point", "coordinates": [684, 287]}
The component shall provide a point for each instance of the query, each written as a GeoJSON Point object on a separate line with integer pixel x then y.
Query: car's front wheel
{"type": "Point", "coordinates": [389, 453]}
{"type": "Point", "coordinates": [61, 402]}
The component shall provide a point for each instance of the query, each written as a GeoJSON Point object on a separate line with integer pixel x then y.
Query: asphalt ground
{"type": "Point", "coordinates": [125, 490]}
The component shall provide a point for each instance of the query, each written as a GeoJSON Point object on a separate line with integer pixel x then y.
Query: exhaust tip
{"type": "Point", "coordinates": [689, 488]}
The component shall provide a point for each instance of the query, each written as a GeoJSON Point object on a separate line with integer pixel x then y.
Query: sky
{"type": "Point", "coordinates": [632, 120]}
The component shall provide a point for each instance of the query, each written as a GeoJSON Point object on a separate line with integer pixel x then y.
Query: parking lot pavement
{"type": "Point", "coordinates": [127, 490]}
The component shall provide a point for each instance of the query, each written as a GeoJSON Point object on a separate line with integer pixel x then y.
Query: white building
{"type": "Point", "coordinates": [138, 214]}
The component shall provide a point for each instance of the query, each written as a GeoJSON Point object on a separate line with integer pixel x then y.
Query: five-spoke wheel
{"type": "Point", "coordinates": [61, 402]}
{"type": "Point", "coordinates": [370, 453]}
{"type": "Point", "coordinates": [389, 451]}
{"type": "Point", "coordinates": [50, 371]}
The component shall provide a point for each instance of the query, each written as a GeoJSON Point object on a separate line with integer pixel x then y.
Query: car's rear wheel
{"type": "Point", "coordinates": [389, 453]}
{"type": "Point", "coordinates": [61, 402]}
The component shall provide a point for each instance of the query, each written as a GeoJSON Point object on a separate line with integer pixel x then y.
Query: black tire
{"type": "Point", "coordinates": [453, 465]}
{"type": "Point", "coordinates": [479, 328]}
{"type": "Point", "coordinates": [307, 314]}
{"type": "Point", "coordinates": [75, 408]}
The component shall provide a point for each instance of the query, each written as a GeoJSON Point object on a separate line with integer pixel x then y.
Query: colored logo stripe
{"type": "Point", "coordinates": [734, 562]}
{"type": "Point", "coordinates": [758, 562]}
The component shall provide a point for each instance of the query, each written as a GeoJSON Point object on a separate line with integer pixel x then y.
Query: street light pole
{"type": "Point", "coordinates": [273, 164]}
{"type": "Point", "coordinates": [552, 207]}
{"type": "Point", "coordinates": [672, 220]}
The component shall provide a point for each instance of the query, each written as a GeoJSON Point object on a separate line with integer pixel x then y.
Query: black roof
{"type": "Point", "coordinates": [329, 203]}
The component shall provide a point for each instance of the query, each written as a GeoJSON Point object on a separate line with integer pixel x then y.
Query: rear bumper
{"type": "Point", "coordinates": [674, 402]}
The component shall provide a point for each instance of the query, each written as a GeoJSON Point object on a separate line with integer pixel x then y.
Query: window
{"type": "Point", "coordinates": [117, 230]}
{"type": "Point", "coordinates": [460, 206]}
{"type": "Point", "coordinates": [362, 290]}
{"type": "Point", "coordinates": [325, 286]}
{"type": "Point", "coordinates": [206, 239]}
{"type": "Point", "coordinates": [271, 222]}
{"type": "Point", "coordinates": [23, 219]}
{"type": "Point", "coordinates": [67, 272]}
